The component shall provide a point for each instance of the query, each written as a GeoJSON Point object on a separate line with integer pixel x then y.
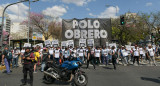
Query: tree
{"type": "Point", "coordinates": [56, 30]}
{"type": "Point", "coordinates": [134, 29]}
{"type": "Point", "coordinates": [153, 22]}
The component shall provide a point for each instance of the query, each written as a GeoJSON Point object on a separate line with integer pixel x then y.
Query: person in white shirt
{"type": "Point", "coordinates": [66, 54]}
{"type": "Point", "coordinates": [104, 53]}
{"type": "Point", "coordinates": [136, 54]}
{"type": "Point", "coordinates": [16, 54]}
{"type": "Point", "coordinates": [81, 54]}
{"type": "Point", "coordinates": [125, 56]}
{"type": "Point", "coordinates": [141, 53]}
{"type": "Point", "coordinates": [151, 55]}
{"type": "Point", "coordinates": [56, 55]}
{"type": "Point", "coordinates": [74, 53]}
{"type": "Point", "coordinates": [51, 52]}
{"type": "Point", "coordinates": [98, 55]}
{"type": "Point", "coordinates": [109, 53]}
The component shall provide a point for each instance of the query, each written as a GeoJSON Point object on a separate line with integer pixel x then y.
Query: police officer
{"type": "Point", "coordinates": [28, 66]}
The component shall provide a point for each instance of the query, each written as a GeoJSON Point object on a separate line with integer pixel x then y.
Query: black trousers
{"type": "Point", "coordinates": [97, 60]}
{"type": "Point", "coordinates": [26, 68]}
{"type": "Point", "coordinates": [114, 62]}
{"type": "Point", "coordinates": [0, 59]}
{"type": "Point", "coordinates": [136, 58]}
{"type": "Point", "coordinates": [92, 60]}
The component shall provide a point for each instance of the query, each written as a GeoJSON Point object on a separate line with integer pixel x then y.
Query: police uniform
{"type": "Point", "coordinates": [28, 66]}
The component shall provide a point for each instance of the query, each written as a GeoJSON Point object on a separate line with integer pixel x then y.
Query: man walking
{"type": "Point", "coordinates": [5, 57]}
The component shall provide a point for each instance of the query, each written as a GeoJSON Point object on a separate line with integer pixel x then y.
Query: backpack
{"type": "Point", "coordinates": [9, 55]}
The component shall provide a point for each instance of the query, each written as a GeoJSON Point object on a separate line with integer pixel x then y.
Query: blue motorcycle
{"type": "Point", "coordinates": [68, 71]}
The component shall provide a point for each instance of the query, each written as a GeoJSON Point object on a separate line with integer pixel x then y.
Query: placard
{"type": "Point", "coordinates": [70, 43]}
{"type": "Point", "coordinates": [90, 42]}
{"type": "Point", "coordinates": [128, 47]}
{"type": "Point", "coordinates": [82, 42]}
{"type": "Point", "coordinates": [113, 44]}
{"type": "Point", "coordinates": [47, 43]}
{"type": "Point", "coordinates": [55, 43]}
{"type": "Point", "coordinates": [64, 44]}
{"type": "Point", "coordinates": [27, 45]}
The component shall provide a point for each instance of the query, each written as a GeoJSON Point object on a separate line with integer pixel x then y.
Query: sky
{"type": "Point", "coordinates": [68, 9]}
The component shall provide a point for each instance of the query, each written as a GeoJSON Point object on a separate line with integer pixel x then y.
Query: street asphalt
{"type": "Point", "coordinates": [102, 76]}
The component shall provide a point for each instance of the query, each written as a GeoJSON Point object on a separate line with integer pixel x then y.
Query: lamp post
{"type": "Point", "coordinates": [2, 25]}
{"type": "Point", "coordinates": [29, 16]}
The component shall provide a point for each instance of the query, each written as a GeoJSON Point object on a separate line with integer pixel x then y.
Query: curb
{"type": "Point", "coordinates": [2, 68]}
{"type": "Point", "coordinates": [157, 58]}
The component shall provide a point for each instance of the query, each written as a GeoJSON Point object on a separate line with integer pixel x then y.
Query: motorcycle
{"type": "Point", "coordinates": [67, 71]}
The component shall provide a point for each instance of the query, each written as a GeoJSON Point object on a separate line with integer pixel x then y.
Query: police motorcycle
{"type": "Point", "coordinates": [68, 71]}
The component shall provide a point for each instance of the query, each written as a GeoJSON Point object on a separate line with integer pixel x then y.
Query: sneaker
{"type": "Point", "coordinates": [23, 84]}
{"type": "Point", "coordinates": [35, 72]}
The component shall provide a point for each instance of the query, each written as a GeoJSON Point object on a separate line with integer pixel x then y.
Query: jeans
{"type": "Point", "coordinates": [57, 60]}
{"type": "Point", "coordinates": [82, 58]}
{"type": "Point", "coordinates": [110, 57]}
{"type": "Point", "coordinates": [125, 60]}
{"type": "Point", "coordinates": [15, 62]}
{"type": "Point", "coordinates": [152, 59]}
{"type": "Point", "coordinates": [42, 66]}
{"type": "Point", "coordinates": [105, 59]}
{"type": "Point", "coordinates": [7, 65]}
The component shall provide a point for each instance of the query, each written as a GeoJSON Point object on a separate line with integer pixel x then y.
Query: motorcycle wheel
{"type": "Point", "coordinates": [81, 79]}
{"type": "Point", "coordinates": [48, 79]}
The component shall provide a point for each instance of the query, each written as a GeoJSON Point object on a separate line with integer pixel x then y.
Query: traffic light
{"type": "Point", "coordinates": [122, 20]}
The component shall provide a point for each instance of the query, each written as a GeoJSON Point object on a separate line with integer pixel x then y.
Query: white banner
{"type": "Point", "coordinates": [70, 43]}
{"type": "Point", "coordinates": [55, 43]}
{"type": "Point", "coordinates": [90, 42]}
{"type": "Point", "coordinates": [82, 42]}
{"type": "Point", "coordinates": [113, 44]}
{"type": "Point", "coordinates": [27, 45]}
{"type": "Point", "coordinates": [64, 44]}
{"type": "Point", "coordinates": [47, 43]}
{"type": "Point", "coordinates": [128, 47]}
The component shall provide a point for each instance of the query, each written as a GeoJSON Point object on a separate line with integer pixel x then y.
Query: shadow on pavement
{"type": "Point", "coordinates": [61, 83]}
{"type": "Point", "coordinates": [108, 68]}
{"type": "Point", "coordinates": [151, 79]}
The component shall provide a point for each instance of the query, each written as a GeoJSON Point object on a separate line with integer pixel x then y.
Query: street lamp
{"type": "Point", "coordinates": [113, 6]}
{"type": "Point", "coordinates": [29, 16]}
{"type": "Point", "coordinates": [2, 25]}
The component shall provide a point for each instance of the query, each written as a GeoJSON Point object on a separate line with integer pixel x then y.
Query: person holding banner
{"type": "Point", "coordinates": [81, 54]}
{"type": "Point", "coordinates": [56, 55]}
{"type": "Point", "coordinates": [151, 55]}
{"type": "Point", "coordinates": [66, 54]}
{"type": "Point", "coordinates": [51, 52]}
{"type": "Point", "coordinates": [141, 54]}
{"type": "Point", "coordinates": [125, 56]}
{"type": "Point", "coordinates": [104, 55]}
{"type": "Point", "coordinates": [98, 55]}
{"type": "Point", "coordinates": [136, 55]}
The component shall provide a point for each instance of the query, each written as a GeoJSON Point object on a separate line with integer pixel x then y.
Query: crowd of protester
{"type": "Point", "coordinates": [90, 55]}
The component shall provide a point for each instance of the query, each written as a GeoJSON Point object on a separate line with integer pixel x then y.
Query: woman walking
{"type": "Point", "coordinates": [91, 57]}
{"type": "Point", "coordinates": [113, 53]}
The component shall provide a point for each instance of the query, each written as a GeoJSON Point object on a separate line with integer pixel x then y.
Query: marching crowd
{"type": "Point", "coordinates": [94, 55]}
